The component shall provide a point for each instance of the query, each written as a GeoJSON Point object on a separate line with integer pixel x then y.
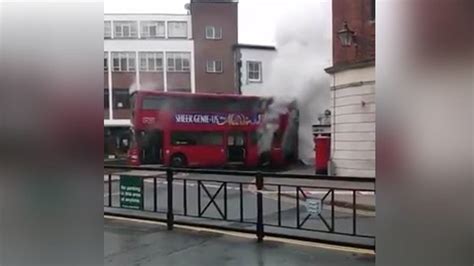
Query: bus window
{"type": "Point", "coordinates": [211, 138]}
{"type": "Point", "coordinates": [238, 106]}
{"type": "Point", "coordinates": [196, 138]}
{"type": "Point", "coordinates": [210, 105]}
{"type": "Point", "coordinates": [239, 141]}
{"type": "Point", "coordinates": [183, 138]}
{"type": "Point", "coordinates": [169, 103]}
{"type": "Point", "coordinates": [230, 140]}
{"type": "Point", "coordinates": [153, 103]}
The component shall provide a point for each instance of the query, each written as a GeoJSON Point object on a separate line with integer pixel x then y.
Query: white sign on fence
{"type": "Point", "coordinates": [314, 207]}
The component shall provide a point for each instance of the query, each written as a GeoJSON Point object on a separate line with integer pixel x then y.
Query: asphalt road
{"type": "Point", "coordinates": [343, 218]}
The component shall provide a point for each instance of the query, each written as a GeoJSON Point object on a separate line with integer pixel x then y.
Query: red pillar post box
{"type": "Point", "coordinates": [322, 153]}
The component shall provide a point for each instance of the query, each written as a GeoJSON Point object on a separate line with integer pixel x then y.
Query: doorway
{"type": "Point", "coordinates": [151, 146]}
{"type": "Point", "coordinates": [236, 143]}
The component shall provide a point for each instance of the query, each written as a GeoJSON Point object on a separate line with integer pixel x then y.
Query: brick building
{"type": "Point", "coordinates": [353, 88]}
{"type": "Point", "coordinates": [215, 32]}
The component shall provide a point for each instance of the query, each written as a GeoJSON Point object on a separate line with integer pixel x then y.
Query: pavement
{"type": "Point", "coordinates": [138, 243]}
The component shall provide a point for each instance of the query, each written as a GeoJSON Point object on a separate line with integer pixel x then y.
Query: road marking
{"type": "Point", "coordinates": [308, 192]}
{"type": "Point", "coordinates": [251, 236]}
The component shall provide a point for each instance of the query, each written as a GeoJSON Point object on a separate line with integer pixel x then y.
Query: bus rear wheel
{"type": "Point", "coordinates": [178, 160]}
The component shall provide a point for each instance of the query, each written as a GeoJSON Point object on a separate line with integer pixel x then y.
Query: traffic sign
{"type": "Point", "coordinates": [131, 192]}
{"type": "Point", "coordinates": [314, 207]}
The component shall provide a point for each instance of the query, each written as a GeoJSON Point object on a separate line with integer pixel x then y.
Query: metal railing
{"type": "Point", "coordinates": [336, 223]}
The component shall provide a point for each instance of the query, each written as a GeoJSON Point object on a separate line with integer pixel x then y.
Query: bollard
{"type": "Point", "coordinates": [110, 189]}
{"type": "Point", "coordinates": [259, 185]}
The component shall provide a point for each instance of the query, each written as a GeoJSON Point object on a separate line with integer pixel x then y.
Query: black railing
{"type": "Point", "coordinates": [336, 222]}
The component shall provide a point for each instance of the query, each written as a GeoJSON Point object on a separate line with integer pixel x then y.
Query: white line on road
{"type": "Point", "coordinates": [312, 192]}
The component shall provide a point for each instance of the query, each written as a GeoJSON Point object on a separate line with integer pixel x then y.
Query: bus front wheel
{"type": "Point", "coordinates": [178, 160]}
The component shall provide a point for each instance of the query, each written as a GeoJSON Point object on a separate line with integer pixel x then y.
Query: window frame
{"type": "Point", "coordinates": [216, 33]}
{"type": "Point", "coordinates": [186, 34]}
{"type": "Point", "coordinates": [106, 62]}
{"type": "Point", "coordinates": [115, 100]}
{"type": "Point", "coordinates": [155, 57]}
{"type": "Point", "coordinates": [178, 57]}
{"type": "Point", "coordinates": [259, 71]}
{"type": "Point", "coordinates": [122, 24]}
{"type": "Point", "coordinates": [213, 67]}
{"type": "Point", "coordinates": [121, 56]}
{"type": "Point", "coordinates": [107, 29]}
{"type": "Point", "coordinates": [106, 99]}
{"type": "Point", "coordinates": [145, 26]}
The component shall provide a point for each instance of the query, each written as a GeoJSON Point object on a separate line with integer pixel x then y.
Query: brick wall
{"type": "Point", "coordinates": [357, 13]}
{"type": "Point", "coordinates": [179, 81]}
{"type": "Point", "coordinates": [223, 15]}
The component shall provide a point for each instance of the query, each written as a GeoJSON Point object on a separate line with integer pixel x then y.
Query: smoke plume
{"type": "Point", "coordinates": [303, 43]}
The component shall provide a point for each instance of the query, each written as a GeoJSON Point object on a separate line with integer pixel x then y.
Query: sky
{"type": "Point", "coordinates": [258, 19]}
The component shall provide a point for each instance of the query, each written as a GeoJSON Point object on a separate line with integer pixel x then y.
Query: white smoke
{"type": "Point", "coordinates": [303, 42]}
{"type": "Point", "coordinates": [150, 85]}
{"type": "Point", "coordinates": [270, 123]}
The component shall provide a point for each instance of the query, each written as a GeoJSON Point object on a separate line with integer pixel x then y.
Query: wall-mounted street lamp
{"type": "Point", "coordinates": [346, 36]}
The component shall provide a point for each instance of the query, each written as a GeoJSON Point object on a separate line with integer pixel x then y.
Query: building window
{"type": "Point", "coordinates": [372, 10]}
{"type": "Point", "coordinates": [214, 66]}
{"type": "Point", "coordinates": [125, 29]}
{"type": "Point", "coordinates": [152, 29]}
{"type": "Point", "coordinates": [254, 71]}
{"type": "Point", "coordinates": [124, 61]}
{"type": "Point", "coordinates": [177, 29]}
{"type": "Point", "coordinates": [106, 98]}
{"type": "Point", "coordinates": [213, 33]}
{"type": "Point", "coordinates": [151, 61]}
{"type": "Point", "coordinates": [178, 62]}
{"type": "Point", "coordinates": [107, 30]}
{"type": "Point", "coordinates": [121, 98]}
{"type": "Point", "coordinates": [106, 61]}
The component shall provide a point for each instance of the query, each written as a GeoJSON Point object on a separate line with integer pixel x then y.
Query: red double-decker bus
{"type": "Point", "coordinates": [210, 130]}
